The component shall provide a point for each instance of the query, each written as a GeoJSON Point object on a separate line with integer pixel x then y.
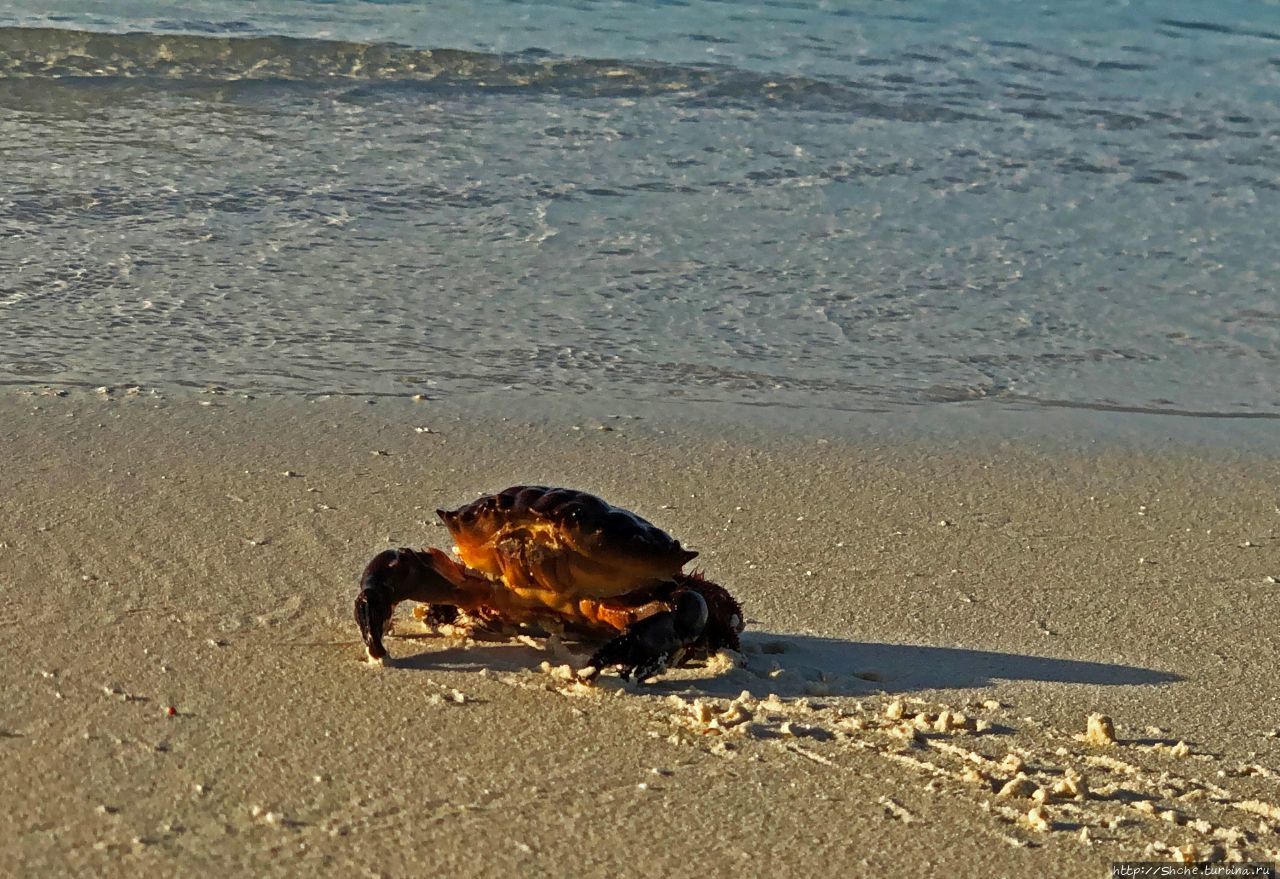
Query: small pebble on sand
{"type": "Point", "coordinates": [1100, 730]}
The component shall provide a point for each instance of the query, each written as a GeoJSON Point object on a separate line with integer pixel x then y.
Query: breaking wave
{"type": "Point", "coordinates": [54, 53]}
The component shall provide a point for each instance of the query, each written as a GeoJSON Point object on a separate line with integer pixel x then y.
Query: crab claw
{"type": "Point", "coordinates": [649, 645]}
{"type": "Point", "coordinates": [395, 575]}
{"type": "Point", "coordinates": [373, 602]}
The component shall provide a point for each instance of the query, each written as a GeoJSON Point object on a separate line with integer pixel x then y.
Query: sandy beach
{"type": "Point", "coordinates": [946, 334]}
{"type": "Point", "coordinates": [928, 629]}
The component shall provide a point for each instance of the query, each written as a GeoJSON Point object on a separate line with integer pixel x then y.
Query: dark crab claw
{"type": "Point", "coordinates": [372, 616]}
{"type": "Point", "coordinates": [397, 575]}
{"type": "Point", "coordinates": [650, 644]}
{"type": "Point", "coordinates": [373, 602]}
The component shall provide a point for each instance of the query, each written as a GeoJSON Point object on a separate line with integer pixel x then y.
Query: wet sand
{"type": "Point", "coordinates": [929, 625]}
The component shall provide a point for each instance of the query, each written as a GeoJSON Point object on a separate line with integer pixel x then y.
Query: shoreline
{"type": "Point", "coordinates": [155, 553]}
{"type": "Point", "coordinates": [979, 424]}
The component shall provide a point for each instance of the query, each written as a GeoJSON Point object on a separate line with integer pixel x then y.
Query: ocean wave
{"type": "Point", "coordinates": [53, 53]}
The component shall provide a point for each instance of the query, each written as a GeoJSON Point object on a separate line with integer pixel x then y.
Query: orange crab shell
{"type": "Point", "coordinates": [554, 546]}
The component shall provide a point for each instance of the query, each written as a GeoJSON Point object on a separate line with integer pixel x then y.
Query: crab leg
{"type": "Point", "coordinates": [607, 614]}
{"type": "Point", "coordinates": [650, 644]}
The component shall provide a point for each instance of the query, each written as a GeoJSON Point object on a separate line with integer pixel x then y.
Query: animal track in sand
{"type": "Point", "coordinates": [1133, 798]}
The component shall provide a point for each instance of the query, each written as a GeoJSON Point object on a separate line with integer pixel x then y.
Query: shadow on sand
{"type": "Point", "coordinates": [806, 665]}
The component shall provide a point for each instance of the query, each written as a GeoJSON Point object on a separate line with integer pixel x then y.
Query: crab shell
{"type": "Point", "coordinates": [564, 550]}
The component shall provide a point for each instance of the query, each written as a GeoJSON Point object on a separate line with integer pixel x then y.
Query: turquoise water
{"type": "Point", "coordinates": [821, 206]}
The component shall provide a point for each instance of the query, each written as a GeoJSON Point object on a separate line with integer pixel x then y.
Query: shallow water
{"type": "Point", "coordinates": [781, 205]}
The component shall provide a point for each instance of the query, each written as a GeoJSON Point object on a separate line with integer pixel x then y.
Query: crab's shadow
{"type": "Point", "coordinates": [807, 665]}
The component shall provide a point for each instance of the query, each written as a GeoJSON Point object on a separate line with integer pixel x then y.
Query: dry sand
{"type": "Point", "coordinates": [154, 554]}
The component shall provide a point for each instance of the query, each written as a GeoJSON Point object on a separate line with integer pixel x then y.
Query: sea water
{"type": "Point", "coordinates": [804, 206]}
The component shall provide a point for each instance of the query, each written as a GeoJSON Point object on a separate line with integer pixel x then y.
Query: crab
{"type": "Point", "coordinates": [559, 558]}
